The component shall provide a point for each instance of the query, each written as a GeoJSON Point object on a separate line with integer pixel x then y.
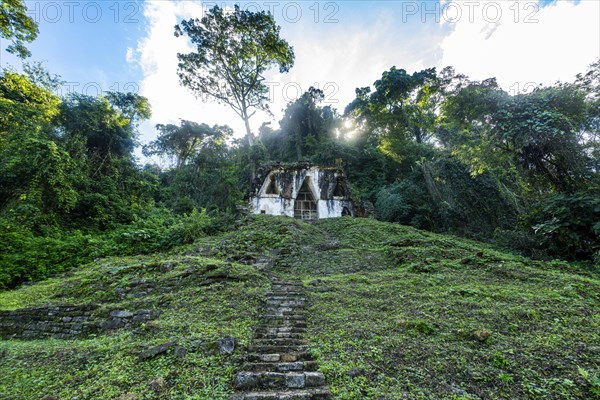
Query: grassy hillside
{"type": "Point", "coordinates": [107, 366]}
{"type": "Point", "coordinates": [393, 313]}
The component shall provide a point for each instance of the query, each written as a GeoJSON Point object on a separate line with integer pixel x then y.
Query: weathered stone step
{"type": "Point", "coordinates": [280, 357]}
{"type": "Point", "coordinates": [278, 309]}
{"type": "Point", "coordinates": [286, 298]}
{"type": "Point", "coordinates": [280, 285]}
{"type": "Point", "coordinates": [305, 394]}
{"type": "Point", "coordinates": [285, 312]}
{"type": "Point", "coordinates": [287, 287]}
{"type": "Point", "coordinates": [287, 283]}
{"type": "Point", "coordinates": [278, 380]}
{"type": "Point", "coordinates": [296, 316]}
{"type": "Point", "coordinates": [278, 329]}
{"type": "Point", "coordinates": [281, 366]}
{"type": "Point", "coordinates": [284, 323]}
{"type": "Point", "coordinates": [279, 342]}
{"type": "Point", "coordinates": [270, 349]}
{"type": "Point", "coordinates": [292, 294]}
{"type": "Point", "coordinates": [278, 335]}
{"type": "Point", "coordinates": [284, 304]}
{"type": "Point", "coordinates": [285, 293]}
{"type": "Point", "coordinates": [291, 300]}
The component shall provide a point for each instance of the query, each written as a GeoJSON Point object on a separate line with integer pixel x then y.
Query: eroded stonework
{"type": "Point", "coordinates": [304, 192]}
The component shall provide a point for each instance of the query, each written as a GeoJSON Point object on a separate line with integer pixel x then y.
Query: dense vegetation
{"type": "Point", "coordinates": [396, 309]}
{"type": "Point", "coordinates": [393, 312]}
{"type": "Point", "coordinates": [431, 149]}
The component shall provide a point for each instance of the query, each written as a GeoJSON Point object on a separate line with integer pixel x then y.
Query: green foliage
{"type": "Point", "coordinates": [305, 127]}
{"type": "Point", "coordinates": [187, 141]}
{"type": "Point", "coordinates": [401, 108]}
{"type": "Point", "coordinates": [430, 128]}
{"type": "Point", "coordinates": [442, 196]}
{"type": "Point", "coordinates": [592, 381]}
{"type": "Point", "coordinates": [156, 230]}
{"type": "Point", "coordinates": [569, 225]}
{"type": "Point", "coordinates": [36, 174]}
{"type": "Point", "coordinates": [258, 235]}
{"type": "Point", "coordinates": [100, 136]}
{"type": "Point", "coordinates": [403, 202]}
{"type": "Point", "coordinates": [102, 128]}
{"type": "Point", "coordinates": [190, 227]}
{"type": "Point", "coordinates": [25, 256]}
{"type": "Point", "coordinates": [17, 26]}
{"type": "Point", "coordinates": [205, 174]}
{"type": "Point", "coordinates": [537, 138]}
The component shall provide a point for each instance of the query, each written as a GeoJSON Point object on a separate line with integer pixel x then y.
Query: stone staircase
{"type": "Point", "coordinates": [279, 366]}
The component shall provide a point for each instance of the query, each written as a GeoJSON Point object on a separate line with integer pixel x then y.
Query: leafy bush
{"type": "Point", "coordinates": [569, 225]}
{"type": "Point", "coordinates": [190, 227]}
{"type": "Point", "coordinates": [520, 240]}
{"type": "Point", "coordinates": [407, 203]}
{"type": "Point", "coordinates": [27, 257]}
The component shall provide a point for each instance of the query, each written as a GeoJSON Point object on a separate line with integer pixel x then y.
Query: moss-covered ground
{"type": "Point", "coordinates": [106, 366]}
{"type": "Point", "coordinates": [394, 313]}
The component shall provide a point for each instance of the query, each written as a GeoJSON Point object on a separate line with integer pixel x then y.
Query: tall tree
{"type": "Point", "coordinates": [182, 143]}
{"type": "Point", "coordinates": [204, 175]}
{"type": "Point", "coordinates": [401, 107]}
{"type": "Point", "coordinates": [233, 51]}
{"type": "Point", "coordinates": [100, 135]}
{"type": "Point", "coordinates": [34, 170]}
{"type": "Point", "coordinates": [17, 26]}
{"type": "Point", "coordinates": [103, 128]}
{"type": "Point", "coordinates": [306, 125]}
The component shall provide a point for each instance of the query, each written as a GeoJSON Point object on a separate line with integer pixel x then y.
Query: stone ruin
{"type": "Point", "coordinates": [301, 191]}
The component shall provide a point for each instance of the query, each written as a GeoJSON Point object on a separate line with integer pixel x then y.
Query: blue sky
{"type": "Point", "coordinates": [86, 41]}
{"type": "Point", "coordinates": [339, 45]}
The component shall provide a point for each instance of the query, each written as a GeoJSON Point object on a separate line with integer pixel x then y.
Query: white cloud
{"type": "Point", "coordinates": [521, 43]}
{"type": "Point", "coordinates": [129, 56]}
{"type": "Point", "coordinates": [340, 59]}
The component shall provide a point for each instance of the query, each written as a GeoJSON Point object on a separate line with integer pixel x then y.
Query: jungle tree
{"type": "Point", "coordinates": [233, 51]}
{"type": "Point", "coordinates": [17, 26]}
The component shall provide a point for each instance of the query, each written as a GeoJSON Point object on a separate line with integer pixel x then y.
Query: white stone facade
{"type": "Point", "coordinates": [303, 193]}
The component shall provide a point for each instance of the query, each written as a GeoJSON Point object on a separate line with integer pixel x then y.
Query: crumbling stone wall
{"type": "Point", "coordinates": [65, 321]}
{"type": "Point", "coordinates": [327, 185]}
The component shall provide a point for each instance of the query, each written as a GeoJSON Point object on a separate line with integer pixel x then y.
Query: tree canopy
{"type": "Point", "coordinates": [233, 51]}
{"type": "Point", "coordinates": [184, 142]}
{"type": "Point", "coordinates": [17, 26]}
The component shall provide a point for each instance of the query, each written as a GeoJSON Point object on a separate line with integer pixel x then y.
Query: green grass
{"type": "Point", "coordinates": [436, 317]}
{"type": "Point", "coordinates": [394, 313]}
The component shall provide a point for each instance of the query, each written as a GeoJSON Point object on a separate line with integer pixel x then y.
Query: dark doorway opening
{"type": "Point", "coordinates": [305, 206]}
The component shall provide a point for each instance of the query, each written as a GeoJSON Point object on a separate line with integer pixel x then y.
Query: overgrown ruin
{"type": "Point", "coordinates": [301, 191]}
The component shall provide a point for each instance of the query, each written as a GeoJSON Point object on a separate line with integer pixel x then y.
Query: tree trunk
{"type": "Point", "coordinates": [249, 135]}
{"type": "Point", "coordinates": [246, 119]}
